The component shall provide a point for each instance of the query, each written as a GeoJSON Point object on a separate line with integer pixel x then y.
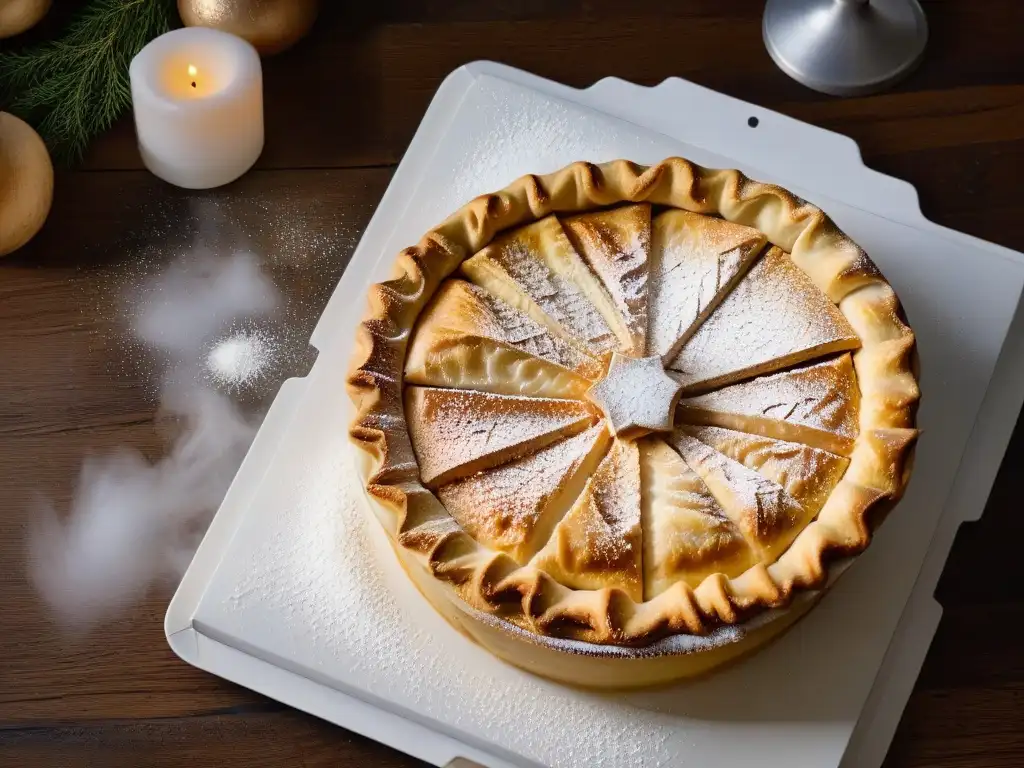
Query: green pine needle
{"type": "Point", "coordinates": [73, 88]}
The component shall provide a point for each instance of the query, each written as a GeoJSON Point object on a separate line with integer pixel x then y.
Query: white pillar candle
{"type": "Point", "coordinates": [197, 94]}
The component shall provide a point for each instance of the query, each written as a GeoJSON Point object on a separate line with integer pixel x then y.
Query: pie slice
{"type": "Point", "coordinates": [816, 405]}
{"type": "Point", "coordinates": [598, 543]}
{"type": "Point", "coordinates": [513, 508]}
{"type": "Point", "coordinates": [695, 261]}
{"type": "Point", "coordinates": [469, 339]}
{"type": "Point", "coordinates": [537, 271]}
{"type": "Point", "coordinates": [617, 245]}
{"type": "Point", "coordinates": [687, 536]}
{"type": "Point", "coordinates": [773, 319]}
{"type": "Point", "coordinates": [807, 474]}
{"type": "Point", "coordinates": [456, 433]}
{"type": "Point", "coordinates": [765, 513]}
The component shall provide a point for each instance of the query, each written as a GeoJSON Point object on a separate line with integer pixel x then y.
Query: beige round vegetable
{"type": "Point", "coordinates": [18, 15]}
{"type": "Point", "coordinates": [26, 183]}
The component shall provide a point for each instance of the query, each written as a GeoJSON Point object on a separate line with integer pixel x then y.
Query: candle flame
{"type": "Point", "coordinates": [192, 74]}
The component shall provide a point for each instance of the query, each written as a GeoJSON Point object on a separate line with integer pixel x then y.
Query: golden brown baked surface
{"type": "Point", "coordinates": [617, 403]}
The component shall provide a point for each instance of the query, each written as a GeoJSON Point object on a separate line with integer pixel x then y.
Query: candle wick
{"type": "Point", "coordinates": [193, 83]}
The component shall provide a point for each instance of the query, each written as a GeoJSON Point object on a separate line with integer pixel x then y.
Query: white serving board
{"type": "Point", "coordinates": [295, 592]}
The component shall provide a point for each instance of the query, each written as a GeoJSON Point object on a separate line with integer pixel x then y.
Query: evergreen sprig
{"type": "Point", "coordinates": [74, 87]}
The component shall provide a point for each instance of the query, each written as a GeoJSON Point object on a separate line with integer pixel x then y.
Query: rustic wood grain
{"type": "Point", "coordinates": [341, 108]}
{"type": "Point", "coordinates": [240, 737]}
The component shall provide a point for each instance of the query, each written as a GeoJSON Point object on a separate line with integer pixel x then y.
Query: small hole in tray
{"type": "Point", "coordinates": [753, 122]}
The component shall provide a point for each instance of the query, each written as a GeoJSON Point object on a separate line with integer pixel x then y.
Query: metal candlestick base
{"type": "Point", "coordinates": [845, 47]}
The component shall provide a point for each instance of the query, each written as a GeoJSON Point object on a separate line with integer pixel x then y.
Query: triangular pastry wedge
{"type": "Point", "coordinates": [817, 405]}
{"type": "Point", "coordinates": [469, 339]}
{"type": "Point", "coordinates": [537, 271]}
{"type": "Point", "coordinates": [765, 513]}
{"type": "Point", "coordinates": [617, 245]}
{"type": "Point", "coordinates": [456, 433]}
{"type": "Point", "coordinates": [687, 536]}
{"type": "Point", "coordinates": [695, 261]}
{"type": "Point", "coordinates": [513, 508]}
{"type": "Point", "coordinates": [598, 543]}
{"type": "Point", "coordinates": [774, 318]}
{"type": "Point", "coordinates": [807, 474]}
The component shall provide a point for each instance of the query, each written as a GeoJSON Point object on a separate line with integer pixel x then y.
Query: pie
{"type": "Point", "coordinates": [626, 423]}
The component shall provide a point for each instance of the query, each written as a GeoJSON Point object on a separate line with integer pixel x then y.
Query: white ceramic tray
{"type": "Point", "coordinates": [295, 592]}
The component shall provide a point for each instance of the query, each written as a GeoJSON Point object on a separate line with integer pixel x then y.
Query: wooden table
{"type": "Point", "coordinates": [340, 109]}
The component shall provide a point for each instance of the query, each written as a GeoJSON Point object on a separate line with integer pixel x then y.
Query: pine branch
{"type": "Point", "coordinates": [73, 88]}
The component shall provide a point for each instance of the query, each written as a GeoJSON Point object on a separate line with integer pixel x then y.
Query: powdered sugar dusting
{"type": "Point", "coordinates": [774, 317]}
{"type": "Point", "coordinates": [350, 607]}
{"type": "Point", "coordinates": [694, 260]}
{"type": "Point", "coordinates": [240, 359]}
{"type": "Point", "coordinates": [598, 543]}
{"type": "Point", "coordinates": [559, 298]}
{"type": "Point", "coordinates": [673, 644]}
{"type": "Point", "coordinates": [821, 396]}
{"type": "Point", "coordinates": [453, 428]}
{"type": "Point", "coordinates": [617, 244]}
{"type": "Point", "coordinates": [686, 533]}
{"type": "Point", "coordinates": [508, 324]}
{"type": "Point", "coordinates": [615, 489]}
{"type": "Point", "coordinates": [502, 507]}
{"type": "Point", "coordinates": [636, 395]}
{"type": "Point", "coordinates": [807, 474]}
{"type": "Point", "coordinates": [761, 509]}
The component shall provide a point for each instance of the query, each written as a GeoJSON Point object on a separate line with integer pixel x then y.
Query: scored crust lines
{"type": "Point", "coordinates": [466, 356]}
{"type": "Point", "coordinates": [565, 309]}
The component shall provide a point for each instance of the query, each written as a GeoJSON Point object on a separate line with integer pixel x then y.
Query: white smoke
{"type": "Point", "coordinates": [198, 295]}
{"type": "Point", "coordinates": [133, 522]}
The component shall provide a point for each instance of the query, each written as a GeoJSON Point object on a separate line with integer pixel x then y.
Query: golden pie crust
{"type": "Point", "coordinates": [743, 536]}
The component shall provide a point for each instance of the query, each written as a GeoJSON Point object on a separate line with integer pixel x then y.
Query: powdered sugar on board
{"type": "Point", "coordinates": [512, 131]}
{"type": "Point", "coordinates": [353, 607]}
{"type": "Point", "coordinates": [323, 589]}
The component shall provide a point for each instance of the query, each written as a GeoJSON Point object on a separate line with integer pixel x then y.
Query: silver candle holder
{"type": "Point", "coordinates": [845, 47]}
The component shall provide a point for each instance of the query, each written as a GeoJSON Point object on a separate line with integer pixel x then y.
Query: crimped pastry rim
{"type": "Point", "coordinates": [531, 600]}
